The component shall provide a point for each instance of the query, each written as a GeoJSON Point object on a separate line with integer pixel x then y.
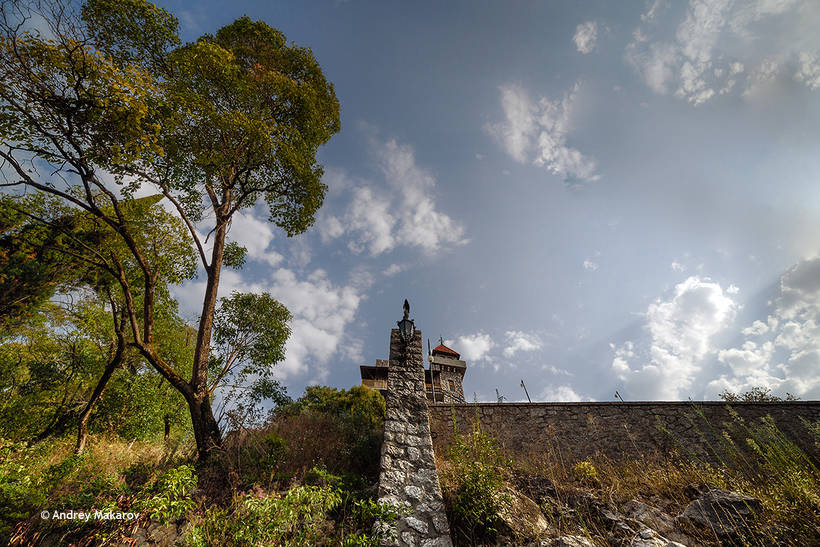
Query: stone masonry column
{"type": "Point", "coordinates": [408, 469]}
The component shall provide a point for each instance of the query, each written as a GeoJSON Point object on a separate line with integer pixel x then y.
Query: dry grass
{"type": "Point", "coordinates": [757, 461]}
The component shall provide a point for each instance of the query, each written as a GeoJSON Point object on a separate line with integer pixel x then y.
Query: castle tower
{"type": "Point", "coordinates": [446, 375]}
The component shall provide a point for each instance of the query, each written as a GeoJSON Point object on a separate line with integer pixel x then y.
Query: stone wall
{"type": "Point", "coordinates": [455, 395]}
{"type": "Point", "coordinates": [408, 469]}
{"type": "Point", "coordinates": [616, 429]}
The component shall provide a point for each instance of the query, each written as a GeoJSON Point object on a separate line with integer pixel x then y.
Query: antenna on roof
{"type": "Point", "coordinates": [440, 340]}
{"type": "Point", "coordinates": [428, 347]}
{"type": "Point", "coordinates": [499, 396]}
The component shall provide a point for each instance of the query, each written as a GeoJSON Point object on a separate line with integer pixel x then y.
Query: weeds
{"type": "Point", "coordinates": [472, 483]}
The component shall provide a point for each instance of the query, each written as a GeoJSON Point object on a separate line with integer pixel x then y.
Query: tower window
{"type": "Point", "coordinates": [452, 385]}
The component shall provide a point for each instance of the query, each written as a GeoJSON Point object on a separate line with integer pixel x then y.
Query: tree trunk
{"type": "Point", "coordinates": [206, 430]}
{"type": "Point", "coordinates": [82, 426]}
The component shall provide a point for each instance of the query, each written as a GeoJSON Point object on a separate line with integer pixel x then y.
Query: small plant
{"type": "Point", "coordinates": [585, 472]}
{"type": "Point", "coordinates": [171, 499]}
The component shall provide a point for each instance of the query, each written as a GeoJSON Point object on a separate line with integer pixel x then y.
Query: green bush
{"type": "Point", "coordinates": [170, 498]}
{"type": "Point", "coordinates": [21, 490]}
{"type": "Point", "coordinates": [325, 510]}
{"type": "Point", "coordinates": [351, 422]}
{"type": "Point", "coordinates": [297, 518]}
{"type": "Point", "coordinates": [472, 484]}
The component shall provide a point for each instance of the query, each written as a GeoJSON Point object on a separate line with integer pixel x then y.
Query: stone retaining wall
{"type": "Point", "coordinates": [408, 475]}
{"type": "Point", "coordinates": [617, 429]}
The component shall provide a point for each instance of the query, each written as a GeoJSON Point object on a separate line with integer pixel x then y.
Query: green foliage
{"type": "Point", "coordinates": [359, 404]}
{"type": "Point", "coordinates": [21, 491]}
{"type": "Point", "coordinates": [170, 498]}
{"type": "Point", "coordinates": [214, 126]}
{"type": "Point", "coordinates": [250, 331]}
{"type": "Point", "coordinates": [50, 368]}
{"type": "Point", "coordinates": [756, 394]}
{"type": "Point", "coordinates": [131, 31]}
{"type": "Point", "coordinates": [258, 461]}
{"type": "Point", "coordinates": [235, 255]}
{"type": "Point", "coordinates": [472, 482]}
{"type": "Point", "coordinates": [352, 420]}
{"type": "Point", "coordinates": [110, 475]}
{"type": "Point", "coordinates": [30, 267]}
{"type": "Point", "coordinates": [245, 101]}
{"type": "Point", "coordinates": [297, 518]}
{"type": "Point", "coordinates": [324, 510]}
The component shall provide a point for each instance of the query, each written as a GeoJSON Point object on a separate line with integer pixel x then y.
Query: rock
{"type": "Point", "coordinates": [724, 512]}
{"type": "Point", "coordinates": [522, 516]}
{"type": "Point", "coordinates": [568, 541]}
{"type": "Point", "coordinates": [649, 516]}
{"type": "Point", "coordinates": [650, 538]}
{"type": "Point", "coordinates": [614, 520]}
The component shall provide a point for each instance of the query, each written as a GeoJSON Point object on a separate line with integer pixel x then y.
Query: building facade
{"type": "Point", "coordinates": [443, 377]}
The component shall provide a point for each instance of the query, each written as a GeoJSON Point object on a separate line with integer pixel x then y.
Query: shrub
{"type": "Point", "coordinates": [297, 518]}
{"type": "Point", "coordinates": [585, 472]}
{"type": "Point", "coordinates": [170, 497]}
{"type": "Point", "coordinates": [350, 422]}
{"type": "Point", "coordinates": [472, 481]}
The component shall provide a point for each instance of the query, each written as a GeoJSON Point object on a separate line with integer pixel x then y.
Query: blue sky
{"type": "Point", "coordinates": [588, 196]}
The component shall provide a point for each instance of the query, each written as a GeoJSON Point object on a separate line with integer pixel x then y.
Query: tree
{"type": "Point", "coordinates": [91, 312]}
{"type": "Point", "coordinates": [109, 102]}
{"type": "Point", "coordinates": [250, 331]}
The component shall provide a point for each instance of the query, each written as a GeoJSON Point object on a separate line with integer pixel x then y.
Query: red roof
{"type": "Point", "coordinates": [444, 350]}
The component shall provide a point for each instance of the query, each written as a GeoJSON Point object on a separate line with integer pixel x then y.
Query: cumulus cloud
{"type": "Point", "coordinates": [518, 341]}
{"type": "Point", "coordinates": [782, 353]}
{"type": "Point", "coordinates": [680, 330]}
{"type": "Point", "coordinates": [586, 34]}
{"type": "Point", "coordinates": [561, 394]}
{"type": "Point", "coordinates": [590, 265]}
{"type": "Point", "coordinates": [255, 235]}
{"type": "Point", "coordinates": [403, 211]}
{"type": "Point", "coordinates": [717, 40]}
{"type": "Point", "coordinates": [536, 132]}
{"type": "Point", "coordinates": [472, 347]}
{"type": "Point", "coordinates": [321, 312]}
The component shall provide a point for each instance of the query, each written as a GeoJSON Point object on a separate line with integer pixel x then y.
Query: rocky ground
{"type": "Point", "coordinates": [712, 516]}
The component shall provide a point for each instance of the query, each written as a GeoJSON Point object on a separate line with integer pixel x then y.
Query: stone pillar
{"type": "Point", "coordinates": [408, 469]}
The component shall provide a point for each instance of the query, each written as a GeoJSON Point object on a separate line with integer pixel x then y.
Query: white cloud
{"type": "Point", "coordinates": [586, 35]}
{"type": "Point", "coordinates": [521, 341]}
{"type": "Point", "coordinates": [378, 220]}
{"type": "Point", "coordinates": [321, 311]}
{"type": "Point", "coordinates": [680, 330]}
{"type": "Point", "coordinates": [561, 394]}
{"type": "Point", "coordinates": [808, 70]}
{"type": "Point", "coordinates": [590, 265]}
{"type": "Point", "coordinates": [255, 235]}
{"type": "Point", "coordinates": [393, 269]}
{"type": "Point", "coordinates": [472, 347]}
{"type": "Point", "coordinates": [785, 355]}
{"type": "Point", "coordinates": [677, 266]}
{"type": "Point", "coordinates": [718, 39]}
{"type": "Point", "coordinates": [759, 328]}
{"type": "Point", "coordinates": [536, 133]}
